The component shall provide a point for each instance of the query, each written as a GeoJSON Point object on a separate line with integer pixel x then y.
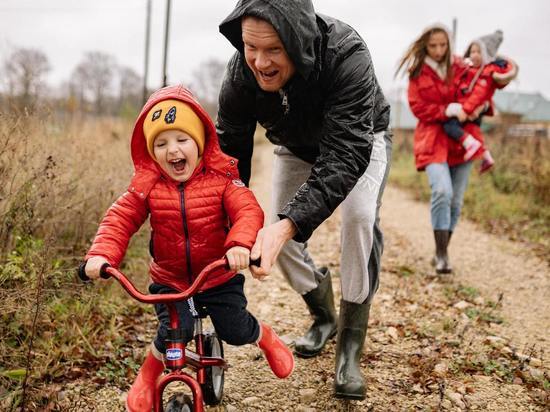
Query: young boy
{"type": "Point", "coordinates": [477, 85]}
{"type": "Point", "coordinates": [199, 211]}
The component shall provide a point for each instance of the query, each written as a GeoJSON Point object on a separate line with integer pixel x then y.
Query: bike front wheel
{"type": "Point", "coordinates": [179, 403]}
{"type": "Point", "coordinates": [212, 389]}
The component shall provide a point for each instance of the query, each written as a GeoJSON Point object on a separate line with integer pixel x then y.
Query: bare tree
{"type": "Point", "coordinates": [206, 83]}
{"type": "Point", "coordinates": [94, 74]}
{"type": "Point", "coordinates": [77, 87]}
{"type": "Point", "coordinates": [25, 70]}
{"type": "Point", "coordinates": [130, 90]}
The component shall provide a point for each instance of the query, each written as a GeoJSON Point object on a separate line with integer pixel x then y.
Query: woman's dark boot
{"type": "Point", "coordinates": [320, 302]}
{"type": "Point", "coordinates": [442, 265]}
{"type": "Point", "coordinates": [433, 262]}
{"type": "Point", "coordinates": [352, 330]}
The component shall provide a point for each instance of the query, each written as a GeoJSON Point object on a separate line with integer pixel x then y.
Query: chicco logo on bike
{"type": "Point", "coordinates": [173, 354]}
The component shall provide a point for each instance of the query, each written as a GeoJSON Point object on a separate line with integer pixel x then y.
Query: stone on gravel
{"type": "Point", "coordinates": [287, 339]}
{"type": "Point", "coordinates": [536, 373]}
{"type": "Point", "coordinates": [526, 358]}
{"type": "Point", "coordinates": [495, 341]}
{"type": "Point", "coordinates": [302, 408]}
{"type": "Point", "coordinates": [392, 333]}
{"type": "Point", "coordinates": [383, 297]}
{"type": "Point", "coordinates": [251, 400]}
{"type": "Point", "coordinates": [122, 398]}
{"type": "Point", "coordinates": [456, 398]}
{"type": "Point", "coordinates": [441, 369]}
{"type": "Point", "coordinates": [230, 408]}
{"type": "Point", "coordinates": [479, 301]}
{"type": "Point", "coordinates": [461, 389]}
{"type": "Point", "coordinates": [413, 307]}
{"type": "Point", "coordinates": [482, 378]}
{"type": "Point", "coordinates": [462, 305]}
{"type": "Point", "coordinates": [307, 395]}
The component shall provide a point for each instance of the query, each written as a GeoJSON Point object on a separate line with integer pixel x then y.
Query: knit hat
{"type": "Point", "coordinates": [489, 45]}
{"type": "Point", "coordinates": [172, 115]}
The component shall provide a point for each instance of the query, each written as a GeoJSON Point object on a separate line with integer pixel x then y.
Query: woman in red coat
{"type": "Point", "coordinates": [199, 211]}
{"type": "Point", "coordinates": [432, 87]}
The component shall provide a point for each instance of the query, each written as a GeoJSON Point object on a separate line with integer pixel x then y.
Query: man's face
{"type": "Point", "coordinates": [265, 54]}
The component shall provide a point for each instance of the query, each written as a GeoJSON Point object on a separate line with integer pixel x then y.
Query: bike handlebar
{"type": "Point", "coordinates": [107, 271]}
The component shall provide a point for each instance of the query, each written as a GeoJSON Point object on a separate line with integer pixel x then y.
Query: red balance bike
{"type": "Point", "coordinates": [207, 361]}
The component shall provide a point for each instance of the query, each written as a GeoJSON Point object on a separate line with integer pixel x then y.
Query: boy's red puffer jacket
{"type": "Point", "coordinates": [193, 223]}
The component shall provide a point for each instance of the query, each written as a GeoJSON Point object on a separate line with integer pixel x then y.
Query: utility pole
{"type": "Point", "coordinates": [453, 40]}
{"type": "Point", "coordinates": [147, 39]}
{"type": "Point", "coordinates": [166, 33]}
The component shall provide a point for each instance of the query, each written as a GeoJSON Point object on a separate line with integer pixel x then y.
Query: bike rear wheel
{"type": "Point", "coordinates": [212, 389]}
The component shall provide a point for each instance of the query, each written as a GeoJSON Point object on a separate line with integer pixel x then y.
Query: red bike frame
{"type": "Point", "coordinates": [176, 363]}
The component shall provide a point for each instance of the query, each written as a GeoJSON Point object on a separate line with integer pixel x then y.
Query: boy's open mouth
{"type": "Point", "coordinates": [178, 164]}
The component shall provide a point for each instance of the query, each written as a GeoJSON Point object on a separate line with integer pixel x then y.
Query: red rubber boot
{"type": "Point", "coordinates": [277, 354]}
{"type": "Point", "coordinates": [140, 396]}
{"type": "Point", "coordinates": [487, 162]}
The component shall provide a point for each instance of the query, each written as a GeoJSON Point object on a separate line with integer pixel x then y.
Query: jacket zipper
{"type": "Point", "coordinates": [284, 103]}
{"type": "Point", "coordinates": [181, 188]}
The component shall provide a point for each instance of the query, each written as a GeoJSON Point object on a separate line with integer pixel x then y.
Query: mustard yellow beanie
{"type": "Point", "coordinates": [172, 115]}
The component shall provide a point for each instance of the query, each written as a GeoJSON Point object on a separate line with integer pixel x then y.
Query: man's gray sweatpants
{"type": "Point", "coordinates": [361, 237]}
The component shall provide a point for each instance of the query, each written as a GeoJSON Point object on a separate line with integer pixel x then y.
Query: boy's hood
{"type": "Point", "coordinates": [295, 22]}
{"type": "Point", "coordinates": [147, 170]}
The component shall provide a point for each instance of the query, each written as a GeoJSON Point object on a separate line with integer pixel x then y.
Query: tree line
{"type": "Point", "coordinates": [98, 85]}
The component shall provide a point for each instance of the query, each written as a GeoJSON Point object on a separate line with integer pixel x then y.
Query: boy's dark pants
{"type": "Point", "coordinates": [226, 306]}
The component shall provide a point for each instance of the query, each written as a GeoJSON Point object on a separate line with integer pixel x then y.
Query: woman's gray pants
{"type": "Point", "coordinates": [361, 237]}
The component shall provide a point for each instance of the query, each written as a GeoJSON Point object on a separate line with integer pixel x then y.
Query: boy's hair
{"type": "Point", "coordinates": [172, 115]}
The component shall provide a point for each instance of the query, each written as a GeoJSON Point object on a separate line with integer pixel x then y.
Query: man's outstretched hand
{"type": "Point", "coordinates": [268, 245]}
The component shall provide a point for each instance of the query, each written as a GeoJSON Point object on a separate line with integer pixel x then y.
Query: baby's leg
{"type": "Point", "coordinates": [487, 162]}
{"type": "Point", "coordinates": [453, 129]}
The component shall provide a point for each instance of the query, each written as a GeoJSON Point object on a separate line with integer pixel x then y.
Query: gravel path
{"type": "Point", "coordinates": [493, 265]}
{"type": "Point", "coordinates": [433, 343]}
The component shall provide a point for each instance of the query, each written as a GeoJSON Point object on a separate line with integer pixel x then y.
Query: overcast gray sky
{"type": "Point", "coordinates": [65, 29]}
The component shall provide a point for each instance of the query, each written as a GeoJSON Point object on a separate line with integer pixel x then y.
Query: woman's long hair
{"type": "Point", "coordinates": [413, 59]}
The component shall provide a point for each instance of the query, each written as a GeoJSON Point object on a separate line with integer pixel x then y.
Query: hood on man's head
{"type": "Point", "coordinates": [294, 21]}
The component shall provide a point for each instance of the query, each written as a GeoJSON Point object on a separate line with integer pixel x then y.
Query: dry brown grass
{"type": "Point", "coordinates": [58, 178]}
{"type": "Point", "coordinates": [56, 181]}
